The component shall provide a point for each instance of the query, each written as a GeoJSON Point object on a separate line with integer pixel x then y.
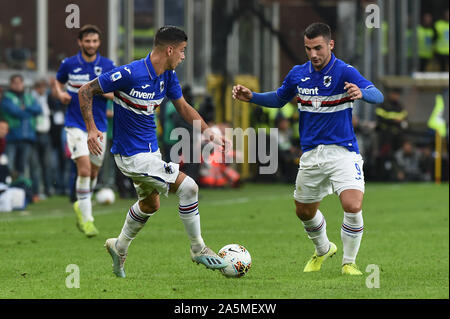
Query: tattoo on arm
{"type": "Point", "coordinates": [85, 96]}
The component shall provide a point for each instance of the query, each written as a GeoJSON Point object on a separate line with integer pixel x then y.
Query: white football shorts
{"type": "Point", "coordinates": [77, 142]}
{"type": "Point", "coordinates": [327, 169]}
{"type": "Point", "coordinates": [148, 172]}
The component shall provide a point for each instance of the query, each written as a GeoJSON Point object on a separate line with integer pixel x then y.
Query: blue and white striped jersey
{"type": "Point", "coordinates": [138, 91]}
{"type": "Point", "coordinates": [75, 71]}
{"type": "Point", "coordinates": [325, 107]}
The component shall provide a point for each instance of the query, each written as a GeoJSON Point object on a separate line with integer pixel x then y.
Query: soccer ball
{"type": "Point", "coordinates": [105, 196]}
{"type": "Point", "coordinates": [238, 259]}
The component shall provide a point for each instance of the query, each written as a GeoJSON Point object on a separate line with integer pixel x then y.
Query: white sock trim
{"type": "Point", "coordinates": [353, 224]}
{"type": "Point", "coordinates": [316, 230]}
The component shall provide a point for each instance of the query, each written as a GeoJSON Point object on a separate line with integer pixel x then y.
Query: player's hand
{"type": "Point", "coordinates": [353, 91]}
{"type": "Point", "coordinates": [94, 139]}
{"type": "Point", "coordinates": [224, 144]}
{"type": "Point", "coordinates": [65, 98]}
{"type": "Point", "coordinates": [241, 93]}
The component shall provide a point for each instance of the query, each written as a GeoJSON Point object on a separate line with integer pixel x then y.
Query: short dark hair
{"type": "Point", "coordinates": [318, 29]}
{"type": "Point", "coordinates": [14, 76]}
{"type": "Point", "coordinates": [169, 35]}
{"type": "Point", "coordinates": [40, 82]}
{"type": "Point", "coordinates": [89, 28]}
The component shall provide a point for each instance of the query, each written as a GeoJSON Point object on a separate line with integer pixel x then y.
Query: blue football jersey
{"type": "Point", "coordinates": [138, 91]}
{"type": "Point", "coordinates": [75, 71]}
{"type": "Point", "coordinates": [325, 107]}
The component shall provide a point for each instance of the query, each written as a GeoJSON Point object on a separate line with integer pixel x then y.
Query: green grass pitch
{"type": "Point", "coordinates": [406, 235]}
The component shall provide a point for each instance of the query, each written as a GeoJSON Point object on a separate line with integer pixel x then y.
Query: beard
{"type": "Point", "coordinates": [87, 53]}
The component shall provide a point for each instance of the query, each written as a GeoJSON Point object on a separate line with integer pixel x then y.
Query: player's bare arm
{"type": "Point", "coordinates": [242, 93]}
{"type": "Point", "coordinates": [61, 95]}
{"type": "Point", "coordinates": [109, 96]}
{"type": "Point", "coordinates": [353, 91]}
{"type": "Point", "coordinates": [85, 96]}
{"type": "Point", "coordinates": [189, 114]}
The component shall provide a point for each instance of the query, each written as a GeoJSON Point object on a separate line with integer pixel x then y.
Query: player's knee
{"type": "Point", "coordinates": [304, 212]}
{"type": "Point", "coordinates": [84, 171]}
{"type": "Point", "coordinates": [353, 207]}
{"type": "Point", "coordinates": [149, 207]}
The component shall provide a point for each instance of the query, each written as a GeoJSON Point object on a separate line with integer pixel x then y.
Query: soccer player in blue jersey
{"type": "Point", "coordinates": [139, 88]}
{"type": "Point", "coordinates": [75, 71]}
{"type": "Point", "coordinates": [325, 88]}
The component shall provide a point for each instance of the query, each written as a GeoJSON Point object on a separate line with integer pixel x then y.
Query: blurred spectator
{"type": "Point", "coordinates": [407, 163]}
{"type": "Point", "coordinates": [5, 177]}
{"type": "Point", "coordinates": [427, 163]}
{"type": "Point", "coordinates": [18, 57]}
{"type": "Point", "coordinates": [20, 109]}
{"type": "Point", "coordinates": [206, 110]}
{"type": "Point", "coordinates": [59, 157]}
{"type": "Point", "coordinates": [288, 154]}
{"type": "Point", "coordinates": [391, 118]}
{"type": "Point", "coordinates": [10, 197]}
{"type": "Point", "coordinates": [425, 36]}
{"type": "Point", "coordinates": [259, 118]}
{"type": "Point", "coordinates": [391, 125]}
{"type": "Point", "coordinates": [442, 44]}
{"type": "Point", "coordinates": [42, 148]}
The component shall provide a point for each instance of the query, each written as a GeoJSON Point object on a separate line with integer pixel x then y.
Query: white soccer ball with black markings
{"type": "Point", "coordinates": [238, 259]}
{"type": "Point", "coordinates": [105, 196]}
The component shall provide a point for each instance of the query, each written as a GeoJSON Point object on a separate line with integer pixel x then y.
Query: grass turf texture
{"type": "Point", "coordinates": [406, 233]}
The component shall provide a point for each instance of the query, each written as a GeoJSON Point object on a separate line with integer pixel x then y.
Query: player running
{"type": "Point", "coordinates": [325, 88]}
{"type": "Point", "coordinates": [139, 88]}
{"type": "Point", "coordinates": [77, 70]}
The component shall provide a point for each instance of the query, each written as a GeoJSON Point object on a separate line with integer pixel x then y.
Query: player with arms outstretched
{"type": "Point", "coordinates": [75, 71]}
{"type": "Point", "coordinates": [139, 88]}
{"type": "Point", "coordinates": [325, 88]}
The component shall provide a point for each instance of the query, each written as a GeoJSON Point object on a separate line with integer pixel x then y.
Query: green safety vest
{"type": "Point", "coordinates": [436, 120]}
{"type": "Point", "coordinates": [287, 111]}
{"type": "Point", "coordinates": [441, 27]}
{"type": "Point", "coordinates": [425, 42]}
{"type": "Point", "coordinates": [391, 115]}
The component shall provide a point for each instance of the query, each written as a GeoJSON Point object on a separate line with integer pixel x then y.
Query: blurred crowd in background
{"type": "Point", "coordinates": [432, 42]}
{"type": "Point", "coordinates": [34, 154]}
{"type": "Point", "coordinates": [431, 45]}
